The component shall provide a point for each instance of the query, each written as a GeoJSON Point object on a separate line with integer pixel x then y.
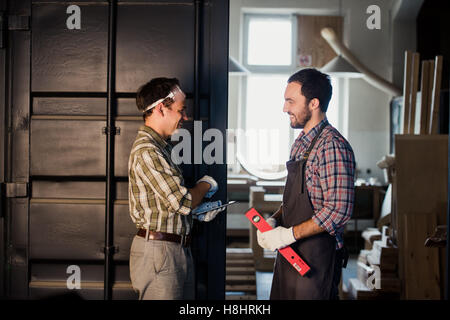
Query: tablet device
{"type": "Point", "coordinates": [214, 208]}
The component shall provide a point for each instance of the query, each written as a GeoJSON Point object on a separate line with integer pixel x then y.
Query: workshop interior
{"type": "Point", "coordinates": [69, 72]}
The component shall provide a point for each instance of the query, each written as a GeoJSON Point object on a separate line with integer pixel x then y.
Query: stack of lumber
{"type": "Point", "coordinates": [370, 235]}
{"type": "Point", "coordinates": [376, 268]}
{"type": "Point", "coordinates": [240, 282]}
{"type": "Point", "coordinates": [419, 187]}
{"type": "Point", "coordinates": [424, 117]}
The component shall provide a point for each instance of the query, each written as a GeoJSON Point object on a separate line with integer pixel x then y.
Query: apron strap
{"type": "Point", "coordinates": [313, 142]}
{"type": "Point", "coordinates": [306, 155]}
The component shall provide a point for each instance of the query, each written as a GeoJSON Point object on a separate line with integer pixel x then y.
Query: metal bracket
{"type": "Point", "coordinates": [16, 22]}
{"type": "Point", "coordinates": [16, 189]}
{"type": "Point", "coordinates": [111, 130]}
{"type": "Point", "coordinates": [13, 23]}
{"type": "Point", "coordinates": [111, 250]}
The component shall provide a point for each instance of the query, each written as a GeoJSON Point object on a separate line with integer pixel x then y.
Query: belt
{"type": "Point", "coordinates": [185, 241]}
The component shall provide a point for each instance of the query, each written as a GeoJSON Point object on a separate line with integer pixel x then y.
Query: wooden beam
{"type": "Point", "coordinates": [414, 85]}
{"type": "Point", "coordinates": [430, 93]}
{"type": "Point", "coordinates": [340, 48]}
{"type": "Point", "coordinates": [407, 92]}
{"type": "Point", "coordinates": [436, 94]}
{"type": "Point", "coordinates": [424, 97]}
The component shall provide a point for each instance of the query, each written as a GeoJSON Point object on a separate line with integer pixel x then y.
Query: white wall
{"type": "Point", "coordinates": [368, 107]}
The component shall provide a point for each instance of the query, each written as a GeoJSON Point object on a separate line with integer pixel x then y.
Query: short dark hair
{"type": "Point", "coordinates": [154, 90]}
{"type": "Point", "coordinates": [315, 84]}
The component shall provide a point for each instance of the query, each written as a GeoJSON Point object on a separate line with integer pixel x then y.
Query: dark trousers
{"type": "Point", "coordinates": [341, 262]}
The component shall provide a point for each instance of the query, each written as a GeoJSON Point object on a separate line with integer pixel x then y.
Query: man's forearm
{"type": "Point", "coordinates": [306, 229]}
{"type": "Point", "coordinates": [198, 192]}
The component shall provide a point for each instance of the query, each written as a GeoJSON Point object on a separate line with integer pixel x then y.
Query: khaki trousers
{"type": "Point", "coordinates": [161, 270]}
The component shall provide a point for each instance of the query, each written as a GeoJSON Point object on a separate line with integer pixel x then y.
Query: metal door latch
{"type": "Point", "coordinates": [16, 22]}
{"type": "Point", "coordinates": [113, 130]}
{"type": "Point", "coordinates": [16, 189]}
{"type": "Point", "coordinates": [13, 23]}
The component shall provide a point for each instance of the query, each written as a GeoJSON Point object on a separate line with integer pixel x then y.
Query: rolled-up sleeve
{"type": "Point", "coordinates": [162, 180]}
{"type": "Point", "coordinates": [337, 174]}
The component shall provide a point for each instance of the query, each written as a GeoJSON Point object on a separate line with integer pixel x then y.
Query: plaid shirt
{"type": "Point", "coordinates": [157, 198]}
{"type": "Point", "coordinates": [329, 174]}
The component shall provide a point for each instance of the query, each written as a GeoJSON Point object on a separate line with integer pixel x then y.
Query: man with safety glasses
{"type": "Point", "coordinates": [161, 207]}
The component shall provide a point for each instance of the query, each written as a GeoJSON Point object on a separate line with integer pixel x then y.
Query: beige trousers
{"type": "Point", "coordinates": [161, 270]}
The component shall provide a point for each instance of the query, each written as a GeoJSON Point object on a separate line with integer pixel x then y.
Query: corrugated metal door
{"type": "Point", "coordinates": [69, 122]}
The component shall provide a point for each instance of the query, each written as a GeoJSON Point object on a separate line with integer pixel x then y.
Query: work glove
{"type": "Point", "coordinates": [262, 243]}
{"type": "Point", "coordinates": [213, 185]}
{"type": "Point", "coordinates": [276, 239]}
{"type": "Point", "coordinates": [205, 212]}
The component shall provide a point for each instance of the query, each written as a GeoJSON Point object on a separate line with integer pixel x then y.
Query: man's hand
{"type": "Point", "coordinates": [213, 185]}
{"type": "Point", "coordinates": [262, 243]}
{"type": "Point", "coordinates": [208, 216]}
{"type": "Point", "coordinates": [275, 239]}
{"type": "Point", "coordinates": [206, 212]}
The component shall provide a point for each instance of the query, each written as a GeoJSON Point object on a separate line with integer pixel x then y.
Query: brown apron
{"type": "Point", "coordinates": [318, 251]}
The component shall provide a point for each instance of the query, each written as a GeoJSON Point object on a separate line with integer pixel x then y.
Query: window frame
{"type": "Point", "coordinates": [270, 68]}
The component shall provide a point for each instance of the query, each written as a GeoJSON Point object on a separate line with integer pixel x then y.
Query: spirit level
{"type": "Point", "coordinates": [288, 253]}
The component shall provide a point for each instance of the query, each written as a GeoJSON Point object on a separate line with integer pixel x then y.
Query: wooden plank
{"type": "Point", "coordinates": [363, 271]}
{"type": "Point", "coordinates": [424, 106]}
{"type": "Point", "coordinates": [407, 91]}
{"type": "Point", "coordinates": [436, 94]}
{"type": "Point", "coordinates": [362, 257]}
{"type": "Point", "coordinates": [239, 250]}
{"type": "Point", "coordinates": [390, 284]}
{"type": "Point", "coordinates": [370, 235]}
{"type": "Point", "coordinates": [358, 290]}
{"type": "Point", "coordinates": [240, 270]}
{"type": "Point", "coordinates": [83, 285]}
{"type": "Point", "coordinates": [240, 288]}
{"type": "Point", "coordinates": [240, 263]}
{"type": "Point", "coordinates": [386, 264]}
{"type": "Point", "coordinates": [240, 297]}
{"type": "Point", "coordinates": [430, 93]}
{"type": "Point", "coordinates": [385, 251]}
{"type": "Point", "coordinates": [414, 85]}
{"type": "Point", "coordinates": [239, 256]}
{"type": "Point", "coordinates": [422, 277]}
{"type": "Point", "coordinates": [248, 279]}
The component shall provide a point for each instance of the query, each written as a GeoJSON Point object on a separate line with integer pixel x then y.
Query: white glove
{"type": "Point", "coordinates": [213, 185]}
{"type": "Point", "coordinates": [277, 238]}
{"type": "Point", "coordinates": [208, 216]}
{"type": "Point", "coordinates": [205, 212]}
{"type": "Point", "coordinates": [262, 243]}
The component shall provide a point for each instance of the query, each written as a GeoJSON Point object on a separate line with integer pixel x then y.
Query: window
{"type": "Point", "coordinates": [269, 41]}
{"type": "Point", "coordinates": [333, 106]}
{"type": "Point", "coordinates": [269, 53]}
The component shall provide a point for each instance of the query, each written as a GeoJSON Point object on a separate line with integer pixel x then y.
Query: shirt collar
{"type": "Point", "coordinates": [306, 139]}
{"type": "Point", "coordinates": [154, 136]}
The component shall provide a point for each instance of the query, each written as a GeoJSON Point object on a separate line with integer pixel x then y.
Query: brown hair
{"type": "Point", "coordinates": [154, 90]}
